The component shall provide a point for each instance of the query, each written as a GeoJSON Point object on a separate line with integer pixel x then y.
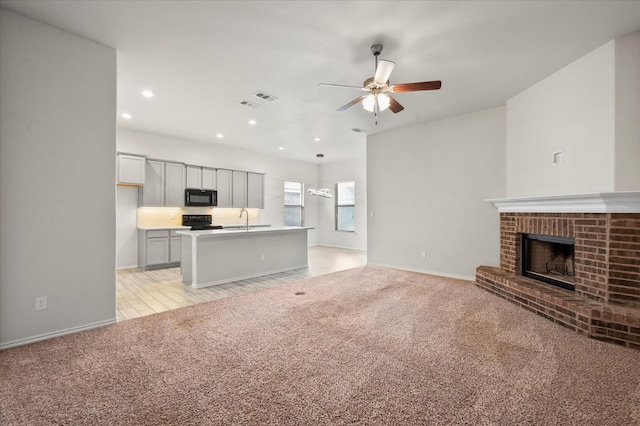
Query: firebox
{"type": "Point", "coordinates": [549, 259]}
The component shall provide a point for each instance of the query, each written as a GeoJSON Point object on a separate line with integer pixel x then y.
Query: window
{"type": "Point", "coordinates": [345, 206]}
{"type": "Point", "coordinates": [293, 203]}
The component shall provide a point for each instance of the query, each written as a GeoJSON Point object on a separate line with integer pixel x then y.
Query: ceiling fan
{"type": "Point", "coordinates": [379, 91]}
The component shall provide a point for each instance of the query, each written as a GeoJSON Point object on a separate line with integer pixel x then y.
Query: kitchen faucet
{"type": "Point", "coordinates": [247, 212]}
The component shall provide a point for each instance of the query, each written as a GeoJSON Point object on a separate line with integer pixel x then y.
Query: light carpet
{"type": "Point", "coordinates": [370, 345]}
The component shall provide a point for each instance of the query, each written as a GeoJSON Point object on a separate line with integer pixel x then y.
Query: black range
{"type": "Point", "coordinates": [198, 222]}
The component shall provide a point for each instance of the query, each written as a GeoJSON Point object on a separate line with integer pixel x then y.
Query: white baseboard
{"type": "Point", "coordinates": [424, 271]}
{"type": "Point", "coordinates": [127, 267]}
{"type": "Point", "coordinates": [51, 335]}
{"type": "Point", "coordinates": [340, 247]}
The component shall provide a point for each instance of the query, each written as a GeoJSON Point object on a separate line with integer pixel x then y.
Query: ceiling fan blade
{"type": "Point", "coordinates": [414, 87]}
{"type": "Point", "coordinates": [341, 86]}
{"type": "Point", "coordinates": [383, 71]}
{"type": "Point", "coordinates": [352, 103]}
{"type": "Point", "coordinates": [394, 105]}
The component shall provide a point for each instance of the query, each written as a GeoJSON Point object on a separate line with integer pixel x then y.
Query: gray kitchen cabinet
{"type": "Point", "coordinates": [239, 189]}
{"type": "Point", "coordinates": [194, 176]}
{"type": "Point", "coordinates": [174, 184]}
{"type": "Point", "coordinates": [153, 191]}
{"type": "Point", "coordinates": [201, 177]}
{"type": "Point", "coordinates": [158, 249]}
{"type": "Point", "coordinates": [131, 169]}
{"type": "Point", "coordinates": [255, 190]}
{"type": "Point", "coordinates": [224, 184]}
{"type": "Point", "coordinates": [164, 184]}
{"type": "Point", "coordinates": [175, 245]}
{"type": "Point", "coordinates": [208, 178]}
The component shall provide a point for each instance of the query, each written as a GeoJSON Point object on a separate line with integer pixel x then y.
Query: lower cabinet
{"type": "Point", "coordinates": [175, 245]}
{"type": "Point", "coordinates": [158, 249]}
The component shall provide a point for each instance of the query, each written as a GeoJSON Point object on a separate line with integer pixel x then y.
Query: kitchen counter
{"type": "Point", "coordinates": [219, 256]}
{"type": "Point", "coordinates": [232, 226]}
{"type": "Point", "coordinates": [161, 228]}
{"type": "Point", "coordinates": [239, 231]}
{"type": "Point", "coordinates": [242, 225]}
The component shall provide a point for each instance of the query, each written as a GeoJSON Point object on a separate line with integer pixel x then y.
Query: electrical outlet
{"type": "Point", "coordinates": [423, 255]}
{"type": "Point", "coordinates": [261, 256]}
{"type": "Point", "coordinates": [41, 303]}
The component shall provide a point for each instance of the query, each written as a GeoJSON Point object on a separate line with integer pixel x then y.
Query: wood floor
{"type": "Point", "coordinates": [144, 293]}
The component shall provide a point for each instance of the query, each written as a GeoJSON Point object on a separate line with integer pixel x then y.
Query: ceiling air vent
{"type": "Point", "coordinates": [265, 96]}
{"type": "Point", "coordinates": [358, 130]}
{"type": "Point", "coordinates": [249, 104]}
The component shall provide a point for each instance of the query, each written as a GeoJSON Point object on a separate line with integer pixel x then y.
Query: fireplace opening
{"type": "Point", "coordinates": [549, 259]}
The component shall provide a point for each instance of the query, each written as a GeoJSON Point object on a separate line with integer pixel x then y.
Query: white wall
{"type": "Point", "coordinates": [126, 227]}
{"type": "Point", "coordinates": [572, 111]}
{"type": "Point", "coordinates": [57, 174]}
{"type": "Point", "coordinates": [276, 170]}
{"type": "Point", "coordinates": [627, 153]}
{"type": "Point", "coordinates": [330, 173]}
{"type": "Point", "coordinates": [427, 186]}
{"type": "Point", "coordinates": [590, 111]}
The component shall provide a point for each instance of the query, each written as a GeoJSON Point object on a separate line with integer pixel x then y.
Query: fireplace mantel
{"type": "Point", "coordinates": [602, 202]}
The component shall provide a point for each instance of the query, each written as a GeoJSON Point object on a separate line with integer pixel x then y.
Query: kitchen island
{"type": "Point", "coordinates": [220, 256]}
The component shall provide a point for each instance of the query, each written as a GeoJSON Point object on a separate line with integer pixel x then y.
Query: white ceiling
{"type": "Point", "coordinates": [202, 58]}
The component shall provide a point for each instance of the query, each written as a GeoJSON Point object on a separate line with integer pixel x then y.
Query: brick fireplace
{"type": "Point", "coordinates": [605, 303]}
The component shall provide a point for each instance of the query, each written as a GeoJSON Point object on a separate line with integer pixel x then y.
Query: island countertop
{"type": "Point", "coordinates": [241, 231]}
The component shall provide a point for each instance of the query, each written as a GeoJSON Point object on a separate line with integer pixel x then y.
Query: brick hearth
{"type": "Point", "coordinates": [606, 302]}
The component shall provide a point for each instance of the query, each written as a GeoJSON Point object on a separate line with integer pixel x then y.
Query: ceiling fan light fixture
{"type": "Point", "coordinates": [383, 101]}
{"type": "Point", "coordinates": [369, 103]}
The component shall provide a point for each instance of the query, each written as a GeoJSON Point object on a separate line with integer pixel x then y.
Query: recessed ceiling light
{"type": "Point", "coordinates": [220, 135]}
{"type": "Point", "coordinates": [281, 148]}
{"type": "Point", "coordinates": [126, 116]}
{"type": "Point", "coordinates": [252, 122]}
{"type": "Point", "coordinates": [147, 93]}
{"type": "Point", "coordinates": [317, 139]}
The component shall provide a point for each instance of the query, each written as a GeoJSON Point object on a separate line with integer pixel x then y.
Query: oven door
{"type": "Point", "coordinates": [200, 197]}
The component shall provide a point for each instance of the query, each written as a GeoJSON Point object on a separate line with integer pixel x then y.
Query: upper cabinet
{"type": "Point", "coordinates": [201, 177]}
{"type": "Point", "coordinates": [248, 190]}
{"type": "Point", "coordinates": [174, 184]}
{"type": "Point", "coordinates": [224, 184]}
{"type": "Point", "coordinates": [194, 176]}
{"type": "Point", "coordinates": [239, 197]}
{"type": "Point", "coordinates": [164, 184]}
{"type": "Point", "coordinates": [153, 191]}
{"type": "Point", "coordinates": [209, 178]}
{"type": "Point", "coordinates": [255, 190]}
{"type": "Point", "coordinates": [131, 169]}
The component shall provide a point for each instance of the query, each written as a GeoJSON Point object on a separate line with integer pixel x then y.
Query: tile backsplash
{"type": "Point", "coordinates": [172, 216]}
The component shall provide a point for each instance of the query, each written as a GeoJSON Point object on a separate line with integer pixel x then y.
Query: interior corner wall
{"type": "Point", "coordinates": [427, 186]}
{"type": "Point", "coordinates": [627, 110]}
{"type": "Point", "coordinates": [330, 174]}
{"type": "Point", "coordinates": [57, 174]}
{"type": "Point", "coordinates": [572, 112]}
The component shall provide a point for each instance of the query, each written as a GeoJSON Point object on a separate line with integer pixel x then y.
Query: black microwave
{"type": "Point", "coordinates": [200, 197]}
